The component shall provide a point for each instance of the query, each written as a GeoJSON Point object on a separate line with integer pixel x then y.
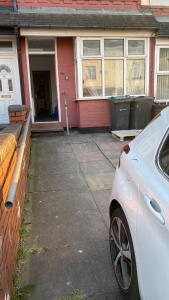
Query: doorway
{"type": "Point", "coordinates": [42, 95]}
{"type": "Point", "coordinates": [43, 84]}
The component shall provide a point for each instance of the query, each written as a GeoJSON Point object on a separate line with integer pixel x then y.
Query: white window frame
{"type": "Point", "coordinates": [8, 53]}
{"type": "Point", "coordinates": [34, 52]}
{"type": "Point", "coordinates": [80, 58]}
{"type": "Point", "coordinates": [158, 72]}
{"type": "Point", "coordinates": [15, 76]}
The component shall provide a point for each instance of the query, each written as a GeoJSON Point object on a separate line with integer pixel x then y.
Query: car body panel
{"type": "Point", "coordinates": [138, 181]}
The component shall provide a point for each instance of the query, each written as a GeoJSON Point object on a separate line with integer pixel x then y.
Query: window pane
{"type": "Point", "coordinates": [40, 45]}
{"type": "Point", "coordinates": [113, 48]}
{"type": "Point", "coordinates": [10, 85]}
{"type": "Point", "coordinates": [164, 157]}
{"type": "Point", "coordinates": [135, 77]}
{"type": "Point", "coordinates": [92, 78]}
{"type": "Point", "coordinates": [136, 47]}
{"type": "Point", "coordinates": [163, 87]}
{"type": "Point", "coordinates": [164, 60]}
{"type": "Point", "coordinates": [5, 46]}
{"type": "Point", "coordinates": [91, 48]}
{"type": "Point", "coordinates": [114, 77]}
{"type": "Point", "coordinates": [91, 72]}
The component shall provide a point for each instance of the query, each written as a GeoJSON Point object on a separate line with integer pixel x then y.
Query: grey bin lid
{"type": "Point", "coordinates": [120, 99]}
{"type": "Point", "coordinates": [143, 98]}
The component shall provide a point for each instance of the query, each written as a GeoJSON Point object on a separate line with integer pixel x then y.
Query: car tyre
{"type": "Point", "coordinates": [122, 255]}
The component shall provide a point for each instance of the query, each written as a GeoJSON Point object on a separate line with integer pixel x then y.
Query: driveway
{"type": "Point", "coordinates": [69, 189]}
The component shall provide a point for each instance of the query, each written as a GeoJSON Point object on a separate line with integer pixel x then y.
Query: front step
{"type": "Point", "coordinates": [47, 131]}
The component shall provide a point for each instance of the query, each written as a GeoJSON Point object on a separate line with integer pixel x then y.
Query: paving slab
{"type": "Point", "coordinates": [89, 156]}
{"type": "Point", "coordinates": [109, 146]}
{"type": "Point", "coordinates": [85, 147]}
{"type": "Point", "coordinates": [69, 190]}
{"type": "Point", "coordinates": [95, 167]}
{"type": "Point", "coordinates": [87, 269]}
{"type": "Point", "coordinates": [102, 181]}
{"type": "Point", "coordinates": [56, 166]}
{"type": "Point", "coordinates": [49, 182]}
{"type": "Point", "coordinates": [53, 147]}
{"type": "Point", "coordinates": [55, 229]}
{"type": "Point", "coordinates": [59, 202]}
{"type": "Point", "coordinates": [115, 296]}
{"type": "Point", "coordinates": [102, 199]}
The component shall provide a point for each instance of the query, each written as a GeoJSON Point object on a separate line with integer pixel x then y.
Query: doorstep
{"type": "Point", "coordinates": [46, 127]}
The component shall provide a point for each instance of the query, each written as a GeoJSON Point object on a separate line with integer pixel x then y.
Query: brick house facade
{"type": "Point", "coordinates": [82, 52]}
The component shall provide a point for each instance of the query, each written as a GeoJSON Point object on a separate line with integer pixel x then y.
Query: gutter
{"type": "Point", "coordinates": [48, 26]}
{"type": "Point", "coordinates": [17, 172]}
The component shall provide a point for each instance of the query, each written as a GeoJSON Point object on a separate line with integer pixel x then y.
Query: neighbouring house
{"type": "Point", "coordinates": [81, 52]}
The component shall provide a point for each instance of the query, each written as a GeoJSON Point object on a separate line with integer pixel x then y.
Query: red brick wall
{"type": "Point", "coordinates": [81, 3]}
{"type": "Point", "coordinates": [9, 226]}
{"type": "Point", "coordinates": [65, 49]}
{"type": "Point", "coordinates": [94, 113]}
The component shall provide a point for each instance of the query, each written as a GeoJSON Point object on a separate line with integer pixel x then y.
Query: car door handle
{"type": "Point", "coordinates": [155, 209]}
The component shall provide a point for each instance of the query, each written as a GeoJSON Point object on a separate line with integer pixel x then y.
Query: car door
{"type": "Point", "coordinates": [153, 227]}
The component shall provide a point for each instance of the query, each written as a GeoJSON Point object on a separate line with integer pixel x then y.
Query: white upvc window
{"type": "Point", "coordinates": [162, 74]}
{"type": "Point", "coordinates": [112, 67]}
{"type": "Point", "coordinates": [6, 47]}
{"type": "Point", "coordinates": [41, 46]}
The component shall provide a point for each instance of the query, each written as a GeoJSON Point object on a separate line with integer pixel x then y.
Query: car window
{"type": "Point", "coordinates": [164, 157]}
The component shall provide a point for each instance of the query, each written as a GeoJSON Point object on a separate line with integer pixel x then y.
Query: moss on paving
{"type": "Point", "coordinates": [75, 295]}
{"type": "Point", "coordinates": [20, 292]}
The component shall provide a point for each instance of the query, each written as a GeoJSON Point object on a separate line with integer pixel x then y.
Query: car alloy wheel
{"type": "Point", "coordinates": [122, 255]}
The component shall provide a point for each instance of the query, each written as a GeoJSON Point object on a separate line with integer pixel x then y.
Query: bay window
{"type": "Point", "coordinates": [111, 67]}
{"type": "Point", "coordinates": [162, 74]}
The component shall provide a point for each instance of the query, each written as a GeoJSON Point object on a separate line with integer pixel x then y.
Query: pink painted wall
{"type": "Point", "coordinates": [6, 3]}
{"type": "Point", "coordinates": [133, 4]}
{"type": "Point", "coordinates": [82, 113]}
{"type": "Point", "coordinates": [24, 71]}
{"type": "Point", "coordinates": [65, 49]}
{"type": "Point", "coordinates": [94, 113]}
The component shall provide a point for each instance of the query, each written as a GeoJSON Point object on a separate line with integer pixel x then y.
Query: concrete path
{"type": "Point", "coordinates": [69, 191]}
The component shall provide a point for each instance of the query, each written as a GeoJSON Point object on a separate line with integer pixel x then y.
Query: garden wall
{"type": "Point", "coordinates": [10, 218]}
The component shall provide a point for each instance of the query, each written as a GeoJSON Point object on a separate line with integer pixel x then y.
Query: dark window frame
{"type": "Point", "coordinates": [157, 159]}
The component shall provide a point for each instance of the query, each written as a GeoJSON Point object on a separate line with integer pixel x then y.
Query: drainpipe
{"type": "Point", "coordinates": [66, 112]}
{"type": "Point", "coordinates": [14, 5]}
{"type": "Point", "coordinates": [13, 187]}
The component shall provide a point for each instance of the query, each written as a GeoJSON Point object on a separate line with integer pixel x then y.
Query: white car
{"type": "Point", "coordinates": [139, 214]}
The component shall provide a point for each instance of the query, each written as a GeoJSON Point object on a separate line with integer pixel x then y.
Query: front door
{"type": "Point", "coordinates": [9, 82]}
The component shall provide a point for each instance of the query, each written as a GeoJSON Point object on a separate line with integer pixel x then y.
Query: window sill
{"type": "Point", "coordinates": [93, 99]}
{"type": "Point", "coordinates": [107, 97]}
{"type": "Point", "coordinates": [161, 101]}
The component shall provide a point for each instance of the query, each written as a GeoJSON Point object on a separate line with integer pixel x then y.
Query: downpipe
{"type": "Point", "coordinates": [14, 6]}
{"type": "Point", "coordinates": [66, 112]}
{"type": "Point", "coordinates": [17, 172]}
